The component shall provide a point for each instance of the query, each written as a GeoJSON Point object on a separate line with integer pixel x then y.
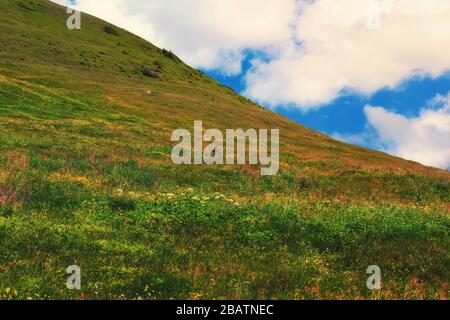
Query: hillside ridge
{"type": "Point", "coordinates": [108, 50]}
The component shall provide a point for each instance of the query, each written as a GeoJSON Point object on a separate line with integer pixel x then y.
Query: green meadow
{"type": "Point", "coordinates": [86, 179]}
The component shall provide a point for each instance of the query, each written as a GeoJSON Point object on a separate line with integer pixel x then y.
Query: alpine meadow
{"type": "Point", "coordinates": [86, 179]}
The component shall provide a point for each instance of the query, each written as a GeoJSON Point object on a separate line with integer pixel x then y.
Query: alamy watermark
{"type": "Point", "coordinates": [374, 281]}
{"type": "Point", "coordinates": [74, 278]}
{"type": "Point", "coordinates": [229, 148]}
{"type": "Point", "coordinates": [74, 20]}
{"type": "Point", "coordinates": [374, 12]}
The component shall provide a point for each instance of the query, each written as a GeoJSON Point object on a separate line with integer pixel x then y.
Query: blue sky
{"type": "Point", "coordinates": [375, 73]}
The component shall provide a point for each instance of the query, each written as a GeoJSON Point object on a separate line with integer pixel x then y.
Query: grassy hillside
{"type": "Point", "coordinates": [86, 179]}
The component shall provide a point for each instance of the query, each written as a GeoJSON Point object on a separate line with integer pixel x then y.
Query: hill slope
{"type": "Point", "coordinates": [86, 178]}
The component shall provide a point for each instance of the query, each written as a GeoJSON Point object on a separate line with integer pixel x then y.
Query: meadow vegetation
{"type": "Point", "coordinates": [86, 179]}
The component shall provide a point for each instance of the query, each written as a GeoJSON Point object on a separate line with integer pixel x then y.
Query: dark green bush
{"type": "Point", "coordinates": [122, 204]}
{"type": "Point", "coordinates": [169, 54]}
{"type": "Point", "coordinates": [149, 73]}
{"type": "Point", "coordinates": [111, 30]}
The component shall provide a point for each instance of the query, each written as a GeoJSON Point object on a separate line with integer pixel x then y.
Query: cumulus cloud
{"type": "Point", "coordinates": [425, 139]}
{"type": "Point", "coordinates": [354, 45]}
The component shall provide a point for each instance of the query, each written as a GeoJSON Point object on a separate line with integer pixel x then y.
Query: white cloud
{"type": "Point", "coordinates": [425, 139]}
{"type": "Point", "coordinates": [341, 51]}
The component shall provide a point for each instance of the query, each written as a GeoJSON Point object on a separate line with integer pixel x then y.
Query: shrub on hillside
{"type": "Point", "coordinates": [149, 73]}
{"type": "Point", "coordinates": [169, 54]}
{"type": "Point", "coordinates": [158, 65]}
{"type": "Point", "coordinates": [111, 30]}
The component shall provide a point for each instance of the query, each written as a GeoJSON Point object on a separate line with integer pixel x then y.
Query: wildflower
{"type": "Point", "coordinates": [118, 192]}
{"type": "Point", "coordinates": [190, 190]}
{"type": "Point", "coordinates": [132, 194]}
{"type": "Point", "coordinates": [196, 296]}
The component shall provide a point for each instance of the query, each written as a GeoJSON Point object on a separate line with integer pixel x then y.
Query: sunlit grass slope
{"type": "Point", "coordinates": [86, 179]}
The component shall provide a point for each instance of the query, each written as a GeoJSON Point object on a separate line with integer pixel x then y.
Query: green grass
{"type": "Point", "coordinates": [86, 179]}
{"type": "Point", "coordinates": [189, 245]}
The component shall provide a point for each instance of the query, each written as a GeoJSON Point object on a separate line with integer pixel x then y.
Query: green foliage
{"type": "Point", "coordinates": [151, 246]}
{"type": "Point", "coordinates": [149, 73]}
{"type": "Point", "coordinates": [169, 54]}
{"type": "Point", "coordinates": [111, 30]}
{"type": "Point", "coordinates": [86, 179]}
{"type": "Point", "coordinates": [6, 210]}
{"type": "Point", "coordinates": [41, 194]}
{"type": "Point", "coordinates": [129, 174]}
{"type": "Point", "coordinates": [122, 203]}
